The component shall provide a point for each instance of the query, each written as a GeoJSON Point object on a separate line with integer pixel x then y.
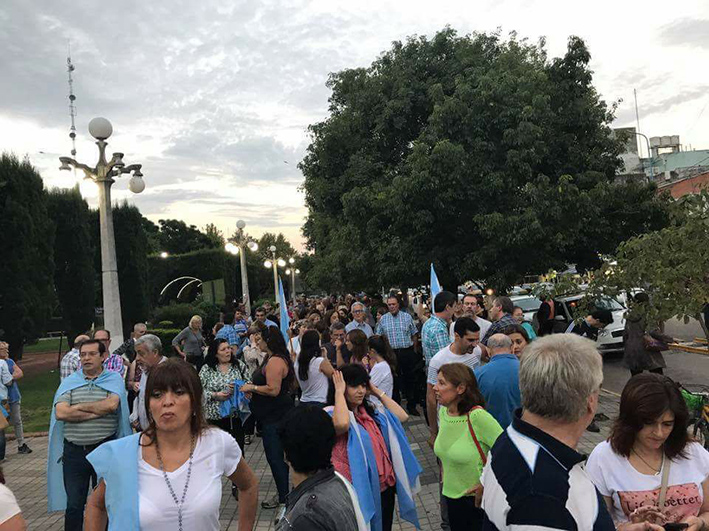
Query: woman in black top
{"type": "Point", "coordinates": [271, 400]}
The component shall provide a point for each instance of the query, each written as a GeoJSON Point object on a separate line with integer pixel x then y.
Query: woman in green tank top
{"type": "Point", "coordinates": [466, 432]}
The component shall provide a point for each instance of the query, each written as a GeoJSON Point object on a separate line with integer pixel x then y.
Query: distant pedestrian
{"type": "Point", "coordinates": [14, 399]}
{"type": "Point", "coordinates": [434, 334]}
{"type": "Point", "coordinates": [590, 325]}
{"type": "Point", "coordinates": [359, 320]}
{"type": "Point", "coordinates": [189, 343]}
{"type": "Point", "coordinates": [546, 314]}
{"type": "Point", "coordinates": [127, 349]}
{"type": "Point", "coordinates": [402, 334]}
{"type": "Point", "coordinates": [71, 362]}
{"type": "Point", "coordinates": [518, 314]}
{"type": "Point", "coordinates": [643, 345]}
{"type": "Point", "coordinates": [501, 316]}
{"type": "Point", "coordinates": [471, 309]}
{"type": "Point", "coordinates": [114, 362]}
{"type": "Point", "coordinates": [313, 371]}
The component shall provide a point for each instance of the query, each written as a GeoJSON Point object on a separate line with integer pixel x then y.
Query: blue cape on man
{"type": "Point", "coordinates": [108, 381]}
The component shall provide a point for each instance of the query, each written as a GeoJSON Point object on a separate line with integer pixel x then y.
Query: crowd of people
{"type": "Point", "coordinates": [506, 403]}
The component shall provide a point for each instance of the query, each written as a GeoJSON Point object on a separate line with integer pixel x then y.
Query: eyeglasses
{"type": "Point", "coordinates": [86, 354]}
{"type": "Point", "coordinates": [357, 311]}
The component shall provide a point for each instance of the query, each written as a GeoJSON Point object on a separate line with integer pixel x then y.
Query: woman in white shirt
{"type": "Point", "coordinates": [382, 366]}
{"type": "Point", "coordinates": [312, 370]}
{"type": "Point", "coordinates": [177, 465]}
{"type": "Point", "coordinates": [10, 514]}
{"type": "Point", "coordinates": [649, 442]}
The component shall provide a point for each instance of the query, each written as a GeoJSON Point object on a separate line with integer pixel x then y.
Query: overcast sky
{"type": "Point", "coordinates": [214, 97]}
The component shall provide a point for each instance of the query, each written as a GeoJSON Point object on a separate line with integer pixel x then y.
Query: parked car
{"type": "Point", "coordinates": [610, 339]}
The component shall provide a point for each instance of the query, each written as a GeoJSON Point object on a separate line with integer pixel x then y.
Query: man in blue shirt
{"type": "Point", "coordinates": [499, 380]}
{"type": "Point", "coordinates": [359, 320]}
{"type": "Point", "coordinates": [261, 316]}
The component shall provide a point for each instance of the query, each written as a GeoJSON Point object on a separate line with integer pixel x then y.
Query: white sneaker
{"type": "Point", "coordinates": [280, 513]}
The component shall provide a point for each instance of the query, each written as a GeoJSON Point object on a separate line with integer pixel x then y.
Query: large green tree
{"type": "Point", "coordinates": [176, 237]}
{"type": "Point", "coordinates": [671, 265]}
{"type": "Point", "coordinates": [475, 153]}
{"type": "Point", "coordinates": [74, 273]}
{"type": "Point", "coordinates": [27, 243]}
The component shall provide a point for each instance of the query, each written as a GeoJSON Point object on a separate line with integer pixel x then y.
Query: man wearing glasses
{"type": "Point", "coordinates": [90, 407]}
{"type": "Point", "coordinates": [359, 322]}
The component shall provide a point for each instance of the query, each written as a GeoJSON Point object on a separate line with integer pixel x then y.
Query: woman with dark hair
{"type": "Point", "coordinates": [519, 337]}
{"type": "Point", "coordinates": [356, 342]}
{"type": "Point", "coordinates": [218, 374]}
{"type": "Point", "coordinates": [170, 475]}
{"type": "Point", "coordinates": [466, 432]}
{"type": "Point", "coordinates": [643, 347]}
{"type": "Point", "coordinates": [332, 317]}
{"type": "Point", "coordinates": [313, 370]}
{"type": "Point", "coordinates": [649, 447]}
{"type": "Point", "coordinates": [366, 441]}
{"type": "Point", "coordinates": [382, 367]}
{"type": "Point", "coordinates": [271, 400]}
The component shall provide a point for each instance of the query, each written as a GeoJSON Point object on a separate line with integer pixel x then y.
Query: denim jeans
{"type": "Point", "coordinates": [274, 455]}
{"type": "Point", "coordinates": [2, 444]}
{"type": "Point", "coordinates": [78, 472]}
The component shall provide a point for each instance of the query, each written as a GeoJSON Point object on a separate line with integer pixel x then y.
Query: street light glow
{"type": "Point", "coordinates": [253, 246]}
{"type": "Point", "coordinates": [272, 248]}
{"type": "Point", "coordinates": [164, 254]}
{"type": "Point", "coordinates": [291, 260]}
{"type": "Point", "coordinates": [231, 248]}
{"type": "Point", "coordinates": [297, 271]}
{"type": "Point", "coordinates": [240, 224]}
{"type": "Point", "coordinates": [287, 271]}
{"type": "Point", "coordinates": [268, 264]}
{"type": "Point", "coordinates": [281, 262]}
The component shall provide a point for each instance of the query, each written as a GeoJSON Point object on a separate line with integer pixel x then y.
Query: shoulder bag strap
{"type": "Point", "coordinates": [475, 438]}
{"type": "Point", "coordinates": [663, 485]}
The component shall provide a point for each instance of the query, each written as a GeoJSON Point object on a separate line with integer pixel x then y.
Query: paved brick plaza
{"type": "Point", "coordinates": [26, 474]}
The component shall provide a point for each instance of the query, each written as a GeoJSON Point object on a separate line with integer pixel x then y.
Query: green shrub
{"type": "Point", "coordinates": [166, 336]}
{"type": "Point", "coordinates": [178, 314]}
{"type": "Point", "coordinates": [166, 324]}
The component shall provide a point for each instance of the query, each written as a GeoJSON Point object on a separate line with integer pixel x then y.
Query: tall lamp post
{"type": "Point", "coordinates": [238, 245]}
{"type": "Point", "coordinates": [103, 175]}
{"type": "Point", "coordinates": [292, 271]}
{"type": "Point", "coordinates": [274, 264]}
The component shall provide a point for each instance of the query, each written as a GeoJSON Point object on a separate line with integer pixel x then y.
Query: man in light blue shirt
{"type": "Point", "coordinates": [359, 322]}
{"type": "Point", "coordinates": [498, 380]}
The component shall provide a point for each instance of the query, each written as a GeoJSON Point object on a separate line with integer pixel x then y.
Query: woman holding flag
{"type": "Point", "coordinates": [371, 449]}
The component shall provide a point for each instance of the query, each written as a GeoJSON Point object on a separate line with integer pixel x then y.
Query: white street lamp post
{"type": "Point", "coordinates": [292, 272]}
{"type": "Point", "coordinates": [103, 175]}
{"type": "Point", "coordinates": [238, 247]}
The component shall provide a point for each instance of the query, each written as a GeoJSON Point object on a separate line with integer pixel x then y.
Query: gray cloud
{"type": "Point", "coordinates": [686, 32]}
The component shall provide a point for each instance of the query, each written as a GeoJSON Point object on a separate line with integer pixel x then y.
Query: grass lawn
{"type": "Point", "coordinates": [47, 345]}
{"type": "Point", "coordinates": [37, 394]}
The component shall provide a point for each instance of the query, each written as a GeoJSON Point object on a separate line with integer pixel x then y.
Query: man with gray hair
{"type": "Point", "coordinates": [534, 478]}
{"type": "Point", "coordinates": [498, 380]}
{"type": "Point", "coordinates": [148, 350]}
{"type": "Point", "coordinates": [359, 320]}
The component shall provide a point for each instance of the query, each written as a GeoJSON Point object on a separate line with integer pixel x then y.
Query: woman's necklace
{"type": "Point", "coordinates": [649, 465]}
{"type": "Point", "coordinates": [181, 502]}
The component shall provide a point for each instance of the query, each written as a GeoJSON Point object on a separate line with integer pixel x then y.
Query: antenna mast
{"type": "Point", "coordinates": [72, 99]}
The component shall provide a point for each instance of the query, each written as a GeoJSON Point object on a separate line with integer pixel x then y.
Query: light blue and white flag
{"type": "Point", "coordinates": [435, 286]}
{"type": "Point", "coordinates": [285, 322]}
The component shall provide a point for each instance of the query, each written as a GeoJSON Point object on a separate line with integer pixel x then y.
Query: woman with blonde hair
{"type": "Point", "coordinates": [189, 343]}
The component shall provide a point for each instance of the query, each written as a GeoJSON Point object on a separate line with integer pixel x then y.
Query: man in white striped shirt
{"type": "Point", "coordinates": [535, 478]}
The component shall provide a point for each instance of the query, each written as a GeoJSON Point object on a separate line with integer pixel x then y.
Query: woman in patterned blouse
{"type": "Point", "coordinates": [220, 370]}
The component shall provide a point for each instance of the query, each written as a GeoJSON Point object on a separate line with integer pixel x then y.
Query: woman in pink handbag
{"type": "Point", "coordinates": [466, 432]}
